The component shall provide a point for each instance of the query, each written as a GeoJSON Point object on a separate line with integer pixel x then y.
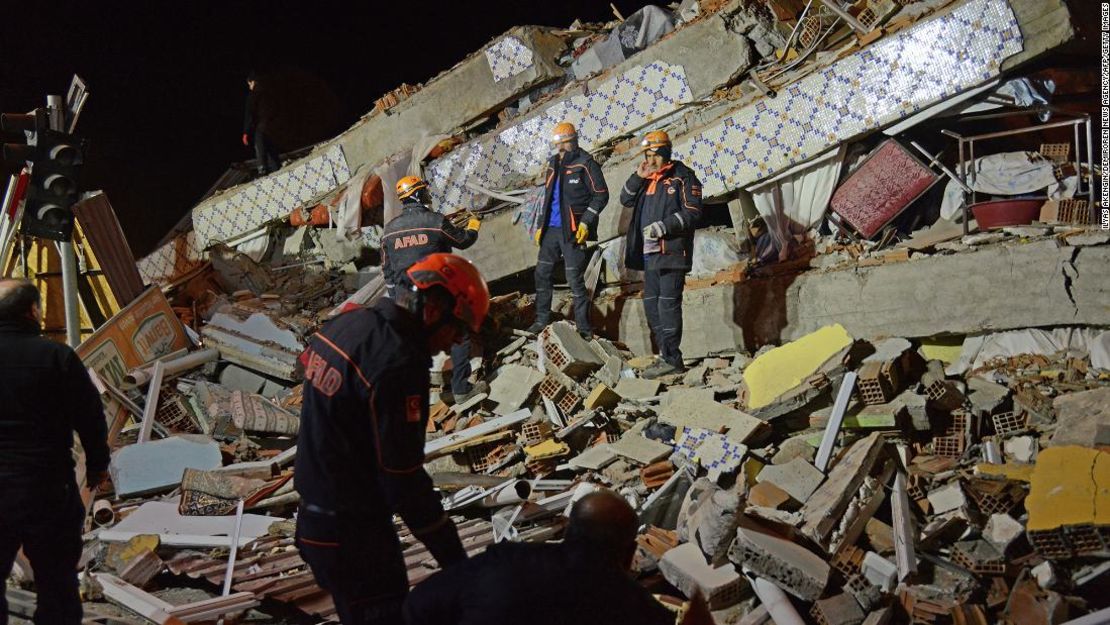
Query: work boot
{"type": "Point", "coordinates": [586, 334]}
{"type": "Point", "coordinates": [476, 389]}
{"type": "Point", "coordinates": [661, 369]}
{"type": "Point", "coordinates": [536, 327]}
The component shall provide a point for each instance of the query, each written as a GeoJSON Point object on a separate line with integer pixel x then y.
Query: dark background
{"type": "Point", "coordinates": [167, 79]}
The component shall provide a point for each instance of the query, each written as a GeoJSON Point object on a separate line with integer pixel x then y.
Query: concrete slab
{"type": "Point", "coordinates": [637, 388]}
{"type": "Point", "coordinates": [602, 397]}
{"type": "Point", "coordinates": [685, 567]}
{"type": "Point", "coordinates": [594, 458]}
{"type": "Point", "coordinates": [1079, 417]}
{"type": "Point", "coordinates": [640, 449]}
{"type": "Point", "coordinates": [797, 478]}
{"type": "Point", "coordinates": [947, 498]}
{"type": "Point", "coordinates": [1006, 287]}
{"type": "Point", "coordinates": [512, 386]}
{"type": "Point", "coordinates": [158, 465]}
{"type": "Point", "coordinates": [790, 566]}
{"type": "Point", "coordinates": [713, 416]}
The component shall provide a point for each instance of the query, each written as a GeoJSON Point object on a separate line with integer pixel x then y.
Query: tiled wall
{"type": "Point", "coordinates": [173, 259]}
{"type": "Point", "coordinates": [621, 104]}
{"type": "Point", "coordinates": [508, 57]}
{"type": "Point", "coordinates": [888, 81]}
{"type": "Point", "coordinates": [269, 198]}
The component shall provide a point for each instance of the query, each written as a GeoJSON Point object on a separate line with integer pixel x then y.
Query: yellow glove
{"type": "Point", "coordinates": [539, 235]}
{"type": "Point", "coordinates": [474, 224]}
{"type": "Point", "coordinates": [581, 234]}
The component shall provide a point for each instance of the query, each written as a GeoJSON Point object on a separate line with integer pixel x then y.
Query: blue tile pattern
{"type": "Point", "coordinates": [621, 104]}
{"type": "Point", "coordinates": [173, 259]}
{"type": "Point", "coordinates": [715, 452]}
{"type": "Point", "coordinates": [269, 198]}
{"type": "Point", "coordinates": [508, 57]}
{"type": "Point", "coordinates": [885, 82]}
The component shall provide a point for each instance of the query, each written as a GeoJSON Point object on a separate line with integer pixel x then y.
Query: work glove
{"type": "Point", "coordinates": [539, 235]}
{"type": "Point", "coordinates": [245, 140]}
{"type": "Point", "coordinates": [581, 234]}
{"type": "Point", "coordinates": [474, 224]}
{"type": "Point", "coordinates": [655, 230]}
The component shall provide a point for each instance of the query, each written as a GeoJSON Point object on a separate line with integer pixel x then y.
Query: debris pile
{"type": "Point", "coordinates": [867, 431]}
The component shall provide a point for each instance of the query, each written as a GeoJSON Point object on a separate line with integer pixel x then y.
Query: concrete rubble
{"type": "Point", "coordinates": [954, 482]}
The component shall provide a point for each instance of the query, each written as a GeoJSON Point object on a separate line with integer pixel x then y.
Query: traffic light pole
{"type": "Point", "coordinates": [65, 248]}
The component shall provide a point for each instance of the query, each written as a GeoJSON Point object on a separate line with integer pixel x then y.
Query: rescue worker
{"type": "Point", "coordinates": [574, 196]}
{"type": "Point", "coordinates": [257, 119]}
{"type": "Point", "coordinates": [46, 396]}
{"type": "Point", "coordinates": [586, 578]}
{"type": "Point", "coordinates": [665, 196]}
{"type": "Point", "coordinates": [360, 455]}
{"type": "Point", "coordinates": [411, 236]}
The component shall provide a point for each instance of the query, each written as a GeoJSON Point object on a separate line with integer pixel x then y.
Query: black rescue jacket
{"type": "Point", "coordinates": [582, 192]}
{"type": "Point", "coordinates": [674, 199]}
{"type": "Point", "coordinates": [416, 233]}
{"type": "Point", "coordinates": [46, 395]}
{"type": "Point", "coordinates": [365, 410]}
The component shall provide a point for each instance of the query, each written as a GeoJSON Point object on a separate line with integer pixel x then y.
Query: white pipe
{"type": "Point", "coordinates": [775, 600]}
{"type": "Point", "coordinates": [234, 552]}
{"type": "Point", "coordinates": [824, 453]}
{"type": "Point", "coordinates": [141, 375]}
{"type": "Point", "coordinates": [151, 407]}
{"type": "Point", "coordinates": [515, 491]}
{"type": "Point", "coordinates": [103, 514]}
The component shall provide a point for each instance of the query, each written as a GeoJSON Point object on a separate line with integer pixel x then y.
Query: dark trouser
{"type": "Point", "coordinates": [357, 559]}
{"type": "Point", "coordinates": [268, 158]}
{"type": "Point", "coordinates": [46, 520]}
{"type": "Point", "coordinates": [663, 307]}
{"type": "Point", "coordinates": [460, 368]}
{"type": "Point", "coordinates": [552, 248]}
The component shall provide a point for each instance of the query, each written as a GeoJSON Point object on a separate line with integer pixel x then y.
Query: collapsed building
{"type": "Point", "coordinates": [898, 350]}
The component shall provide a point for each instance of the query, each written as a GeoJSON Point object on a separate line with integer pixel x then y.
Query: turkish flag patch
{"type": "Point", "coordinates": [412, 408]}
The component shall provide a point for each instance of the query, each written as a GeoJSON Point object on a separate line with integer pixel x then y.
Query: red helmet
{"type": "Point", "coordinates": [461, 279]}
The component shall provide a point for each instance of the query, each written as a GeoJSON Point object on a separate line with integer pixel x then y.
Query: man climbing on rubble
{"type": "Point", "coordinates": [665, 196]}
{"type": "Point", "coordinates": [414, 234]}
{"type": "Point", "coordinates": [574, 196]}
{"type": "Point", "coordinates": [46, 396]}
{"type": "Point", "coordinates": [361, 445]}
{"type": "Point", "coordinates": [583, 581]}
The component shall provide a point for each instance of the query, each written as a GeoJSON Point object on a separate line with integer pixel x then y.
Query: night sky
{"type": "Point", "coordinates": [167, 79]}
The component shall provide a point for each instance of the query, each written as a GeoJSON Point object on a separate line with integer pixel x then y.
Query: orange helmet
{"type": "Point", "coordinates": [408, 185]}
{"type": "Point", "coordinates": [563, 131]}
{"type": "Point", "coordinates": [654, 140]}
{"type": "Point", "coordinates": [461, 279]}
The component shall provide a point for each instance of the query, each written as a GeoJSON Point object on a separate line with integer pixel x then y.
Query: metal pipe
{"type": "Point", "coordinates": [514, 492]}
{"type": "Point", "coordinates": [69, 293]}
{"type": "Point", "coordinates": [151, 407]}
{"type": "Point", "coordinates": [142, 375]}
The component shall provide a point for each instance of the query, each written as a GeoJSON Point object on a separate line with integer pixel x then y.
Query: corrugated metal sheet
{"type": "Point", "coordinates": [105, 237]}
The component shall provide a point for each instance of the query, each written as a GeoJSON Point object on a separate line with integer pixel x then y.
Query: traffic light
{"type": "Point", "coordinates": [55, 159]}
{"type": "Point", "coordinates": [54, 187]}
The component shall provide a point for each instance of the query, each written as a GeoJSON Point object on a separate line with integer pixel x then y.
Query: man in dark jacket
{"type": "Point", "coordinates": [414, 234]}
{"type": "Point", "coordinates": [582, 581]}
{"type": "Point", "coordinates": [360, 451]}
{"type": "Point", "coordinates": [665, 196]}
{"type": "Point", "coordinates": [575, 194]}
{"type": "Point", "coordinates": [46, 395]}
{"type": "Point", "coordinates": [256, 125]}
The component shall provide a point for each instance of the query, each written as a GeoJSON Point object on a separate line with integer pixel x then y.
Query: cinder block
{"type": "Point", "coordinates": [790, 566]}
{"type": "Point", "coordinates": [686, 568]}
{"type": "Point", "coordinates": [568, 352]}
